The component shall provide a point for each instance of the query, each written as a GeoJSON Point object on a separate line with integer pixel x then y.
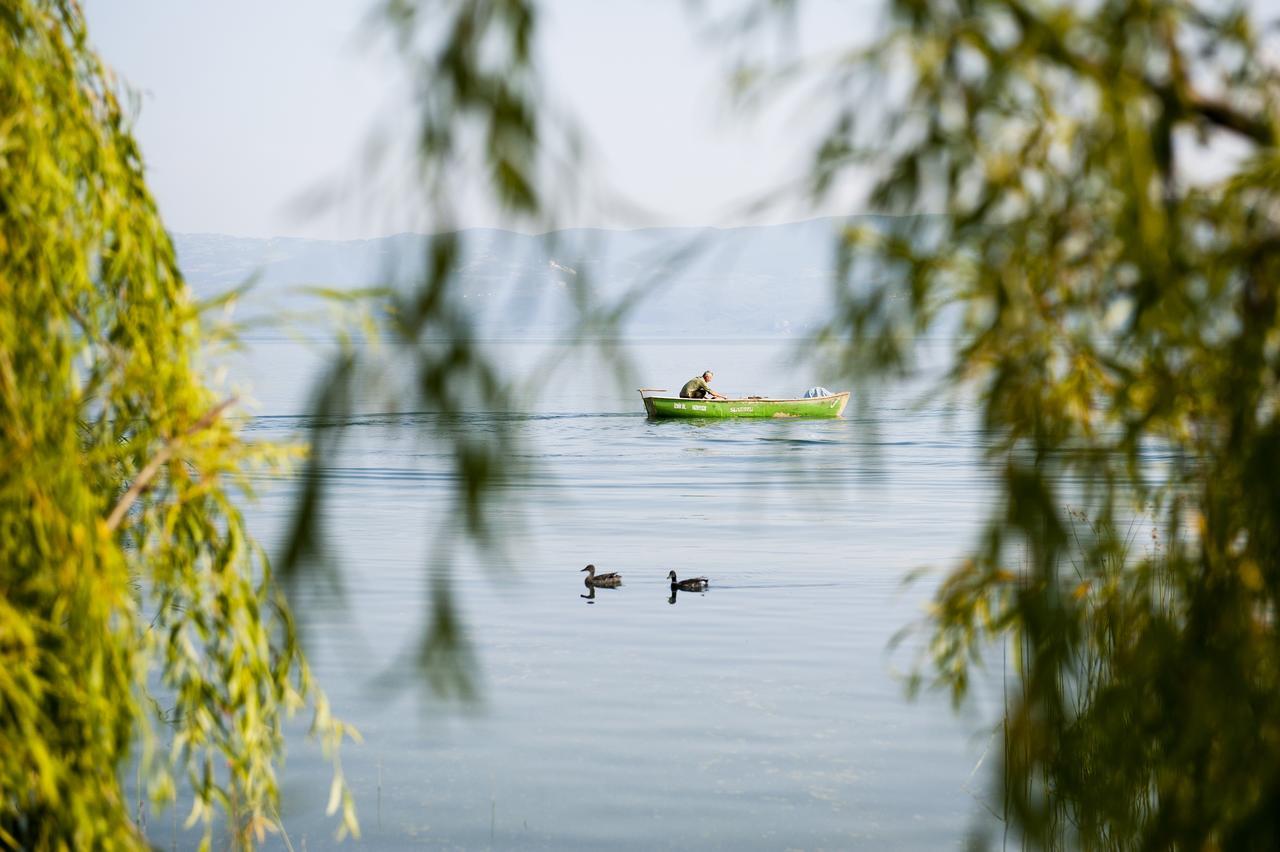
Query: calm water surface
{"type": "Point", "coordinates": [766, 713]}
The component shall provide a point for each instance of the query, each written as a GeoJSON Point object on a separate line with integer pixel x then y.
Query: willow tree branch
{"type": "Point", "coordinates": [144, 477]}
{"type": "Point", "coordinates": [1226, 116]}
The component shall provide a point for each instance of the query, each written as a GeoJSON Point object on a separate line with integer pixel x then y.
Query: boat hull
{"type": "Point", "coordinates": [666, 407]}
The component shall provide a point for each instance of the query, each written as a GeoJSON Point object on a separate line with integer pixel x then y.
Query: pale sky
{"type": "Point", "coordinates": [248, 108]}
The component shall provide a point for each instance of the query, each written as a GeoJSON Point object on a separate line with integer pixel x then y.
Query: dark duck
{"type": "Point", "coordinates": [693, 584]}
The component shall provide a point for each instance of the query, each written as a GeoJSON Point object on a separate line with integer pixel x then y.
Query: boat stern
{"type": "Point", "coordinates": [649, 408]}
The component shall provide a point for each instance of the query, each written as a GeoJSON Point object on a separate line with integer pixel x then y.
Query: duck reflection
{"type": "Point", "coordinates": [675, 591]}
{"type": "Point", "coordinates": [590, 596]}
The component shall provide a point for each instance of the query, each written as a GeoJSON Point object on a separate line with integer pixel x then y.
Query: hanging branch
{"type": "Point", "coordinates": [153, 467]}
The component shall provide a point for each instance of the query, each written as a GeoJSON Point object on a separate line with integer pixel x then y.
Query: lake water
{"type": "Point", "coordinates": [766, 713]}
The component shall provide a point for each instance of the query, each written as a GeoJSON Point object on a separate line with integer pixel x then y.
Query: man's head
{"type": "Point", "coordinates": [707, 375]}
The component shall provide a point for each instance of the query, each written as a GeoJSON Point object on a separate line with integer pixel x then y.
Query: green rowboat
{"type": "Point", "coordinates": [669, 406]}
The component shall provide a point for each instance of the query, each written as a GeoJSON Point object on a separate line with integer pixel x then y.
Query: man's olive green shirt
{"type": "Point", "coordinates": [697, 383]}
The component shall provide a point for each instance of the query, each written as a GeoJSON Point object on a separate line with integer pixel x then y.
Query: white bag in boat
{"type": "Point", "coordinates": [812, 392]}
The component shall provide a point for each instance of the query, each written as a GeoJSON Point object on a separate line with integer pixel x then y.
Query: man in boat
{"type": "Point", "coordinates": [696, 388]}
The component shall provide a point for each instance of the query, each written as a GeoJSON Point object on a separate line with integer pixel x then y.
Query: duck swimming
{"type": "Point", "coordinates": [693, 584]}
{"type": "Point", "coordinates": [607, 581]}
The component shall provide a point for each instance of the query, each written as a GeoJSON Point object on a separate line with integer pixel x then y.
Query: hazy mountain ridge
{"type": "Point", "coordinates": [751, 281]}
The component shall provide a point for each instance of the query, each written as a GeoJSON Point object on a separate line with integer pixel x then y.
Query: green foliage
{"type": "Point", "coordinates": [133, 606]}
{"type": "Point", "coordinates": [1117, 323]}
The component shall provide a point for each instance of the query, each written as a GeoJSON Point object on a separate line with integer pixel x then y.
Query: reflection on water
{"type": "Point", "coordinates": [766, 715]}
{"type": "Point", "coordinates": [675, 592]}
{"type": "Point", "coordinates": [590, 596]}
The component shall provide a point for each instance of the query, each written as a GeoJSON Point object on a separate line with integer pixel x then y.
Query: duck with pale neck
{"type": "Point", "coordinates": [606, 581]}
